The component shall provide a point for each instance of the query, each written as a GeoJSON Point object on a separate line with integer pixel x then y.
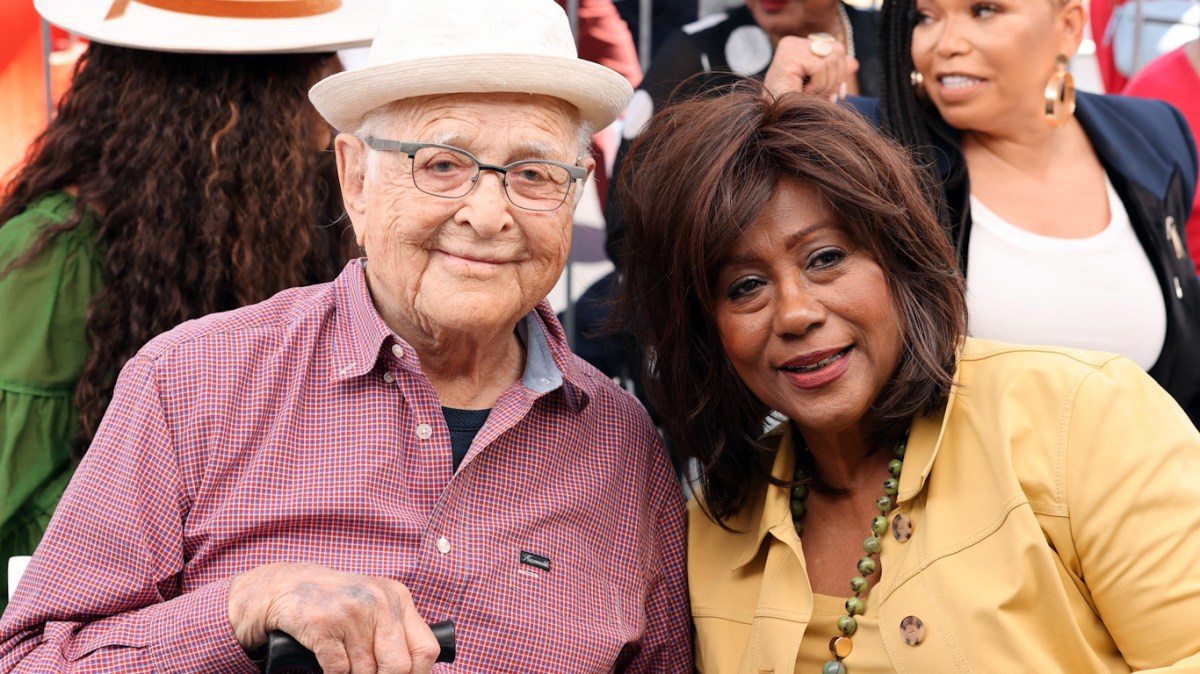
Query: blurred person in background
{"type": "Point", "coordinates": [1067, 210]}
{"type": "Point", "coordinates": [666, 17]}
{"type": "Point", "coordinates": [604, 38]}
{"type": "Point", "coordinates": [1100, 14]}
{"type": "Point", "coordinates": [1174, 77]}
{"type": "Point", "coordinates": [758, 39]}
{"type": "Point", "coordinates": [169, 185]}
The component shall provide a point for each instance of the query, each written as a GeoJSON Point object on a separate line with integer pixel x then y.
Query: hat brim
{"type": "Point", "coordinates": [145, 27]}
{"type": "Point", "coordinates": [599, 93]}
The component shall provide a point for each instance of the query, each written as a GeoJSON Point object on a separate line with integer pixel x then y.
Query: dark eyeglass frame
{"type": "Point", "coordinates": [410, 148]}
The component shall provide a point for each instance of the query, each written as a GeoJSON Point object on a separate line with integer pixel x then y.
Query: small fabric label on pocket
{"type": "Point", "coordinates": [537, 561]}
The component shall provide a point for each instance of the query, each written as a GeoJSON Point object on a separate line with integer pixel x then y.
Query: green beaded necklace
{"type": "Point", "coordinates": [840, 647]}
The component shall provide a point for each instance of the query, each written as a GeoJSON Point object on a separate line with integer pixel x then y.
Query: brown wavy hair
{"type": "Point", "coordinates": [700, 174]}
{"type": "Point", "coordinates": [209, 185]}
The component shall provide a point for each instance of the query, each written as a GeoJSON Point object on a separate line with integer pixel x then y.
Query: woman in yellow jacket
{"type": "Point", "coordinates": [925, 502]}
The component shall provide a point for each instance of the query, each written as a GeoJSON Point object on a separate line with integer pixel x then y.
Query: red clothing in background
{"type": "Point", "coordinates": [1100, 12]}
{"type": "Point", "coordinates": [604, 38]}
{"type": "Point", "coordinates": [1172, 78]}
{"type": "Point", "coordinates": [303, 429]}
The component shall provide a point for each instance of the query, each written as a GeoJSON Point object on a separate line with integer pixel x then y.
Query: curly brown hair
{"type": "Point", "coordinates": [686, 203]}
{"type": "Point", "coordinates": [211, 190]}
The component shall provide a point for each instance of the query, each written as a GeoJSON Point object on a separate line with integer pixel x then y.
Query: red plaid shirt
{"type": "Point", "coordinates": [302, 429]}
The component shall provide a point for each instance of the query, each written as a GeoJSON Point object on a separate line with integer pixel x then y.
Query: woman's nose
{"type": "Point", "coordinates": [951, 38]}
{"type": "Point", "coordinates": [798, 309]}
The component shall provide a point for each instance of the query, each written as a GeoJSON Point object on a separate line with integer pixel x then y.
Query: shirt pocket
{"type": "Point", "coordinates": [570, 617]}
{"type": "Point", "coordinates": [569, 589]}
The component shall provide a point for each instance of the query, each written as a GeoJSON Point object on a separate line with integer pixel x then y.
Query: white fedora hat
{"type": "Point", "coordinates": [220, 26]}
{"type": "Point", "coordinates": [427, 47]}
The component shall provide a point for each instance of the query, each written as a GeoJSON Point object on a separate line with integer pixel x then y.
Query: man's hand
{"type": "Point", "coordinates": [353, 624]}
{"type": "Point", "coordinates": [797, 67]}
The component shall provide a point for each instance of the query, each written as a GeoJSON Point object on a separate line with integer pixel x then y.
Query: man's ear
{"type": "Point", "coordinates": [352, 172]}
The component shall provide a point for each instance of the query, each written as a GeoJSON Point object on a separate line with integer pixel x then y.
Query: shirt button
{"type": "Point", "coordinates": [424, 431]}
{"type": "Point", "coordinates": [902, 527]}
{"type": "Point", "coordinates": [544, 380]}
{"type": "Point", "coordinates": [389, 377]}
{"type": "Point", "coordinates": [397, 351]}
{"type": "Point", "coordinates": [912, 630]}
{"type": "Point", "coordinates": [443, 545]}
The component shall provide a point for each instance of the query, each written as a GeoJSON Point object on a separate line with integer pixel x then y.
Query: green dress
{"type": "Point", "coordinates": [43, 346]}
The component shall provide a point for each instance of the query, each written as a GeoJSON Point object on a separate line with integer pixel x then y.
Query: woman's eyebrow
{"type": "Point", "coordinates": [794, 239]}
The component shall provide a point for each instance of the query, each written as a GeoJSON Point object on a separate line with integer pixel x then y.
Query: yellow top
{"type": "Point", "coordinates": [1053, 505]}
{"type": "Point", "coordinates": [868, 656]}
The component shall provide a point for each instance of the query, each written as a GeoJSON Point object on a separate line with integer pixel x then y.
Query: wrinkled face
{"type": "Point", "coordinates": [786, 17]}
{"type": "Point", "coordinates": [805, 314]}
{"type": "Point", "coordinates": [986, 64]}
{"type": "Point", "coordinates": [470, 264]}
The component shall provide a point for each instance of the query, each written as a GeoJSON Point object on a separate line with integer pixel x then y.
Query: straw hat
{"type": "Point", "coordinates": [426, 47]}
{"type": "Point", "coordinates": [220, 26]}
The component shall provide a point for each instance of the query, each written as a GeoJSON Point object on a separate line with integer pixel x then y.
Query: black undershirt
{"type": "Point", "coordinates": [464, 425]}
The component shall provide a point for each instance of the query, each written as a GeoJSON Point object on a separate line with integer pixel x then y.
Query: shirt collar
{"type": "Point", "coordinates": [549, 363]}
{"type": "Point", "coordinates": [925, 437]}
{"type": "Point", "coordinates": [542, 374]}
{"type": "Point", "coordinates": [772, 514]}
{"type": "Point", "coordinates": [924, 441]}
{"type": "Point", "coordinates": [359, 332]}
{"type": "Point", "coordinates": [360, 335]}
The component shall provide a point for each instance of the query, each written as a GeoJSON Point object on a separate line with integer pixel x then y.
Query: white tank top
{"type": "Point", "coordinates": [1096, 293]}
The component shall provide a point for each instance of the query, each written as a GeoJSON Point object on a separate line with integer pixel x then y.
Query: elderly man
{"type": "Point", "coordinates": [412, 442]}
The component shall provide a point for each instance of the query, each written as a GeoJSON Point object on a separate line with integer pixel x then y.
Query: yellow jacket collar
{"type": "Point", "coordinates": [773, 514]}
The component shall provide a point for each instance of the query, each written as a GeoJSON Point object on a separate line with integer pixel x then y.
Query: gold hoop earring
{"type": "Point", "coordinates": [917, 80]}
{"type": "Point", "coordinates": [1060, 94]}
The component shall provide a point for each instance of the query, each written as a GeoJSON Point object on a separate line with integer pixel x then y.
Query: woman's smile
{"type": "Point", "coordinates": [817, 369]}
{"type": "Point", "coordinates": [957, 88]}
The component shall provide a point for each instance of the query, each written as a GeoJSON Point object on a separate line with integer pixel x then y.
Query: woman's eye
{"type": "Point", "coordinates": [826, 257]}
{"type": "Point", "coordinates": [983, 11]}
{"type": "Point", "coordinates": [744, 287]}
{"type": "Point", "coordinates": [922, 13]}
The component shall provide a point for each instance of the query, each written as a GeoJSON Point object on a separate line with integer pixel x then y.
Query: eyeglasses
{"type": "Point", "coordinates": [450, 172]}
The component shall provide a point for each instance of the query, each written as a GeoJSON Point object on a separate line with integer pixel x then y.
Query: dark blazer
{"type": "Point", "coordinates": [1149, 154]}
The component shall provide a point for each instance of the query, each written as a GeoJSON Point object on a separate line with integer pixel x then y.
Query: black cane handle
{"type": "Point", "coordinates": [284, 653]}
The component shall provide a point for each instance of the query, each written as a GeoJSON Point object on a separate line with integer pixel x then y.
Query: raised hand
{"type": "Point", "coordinates": [816, 65]}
